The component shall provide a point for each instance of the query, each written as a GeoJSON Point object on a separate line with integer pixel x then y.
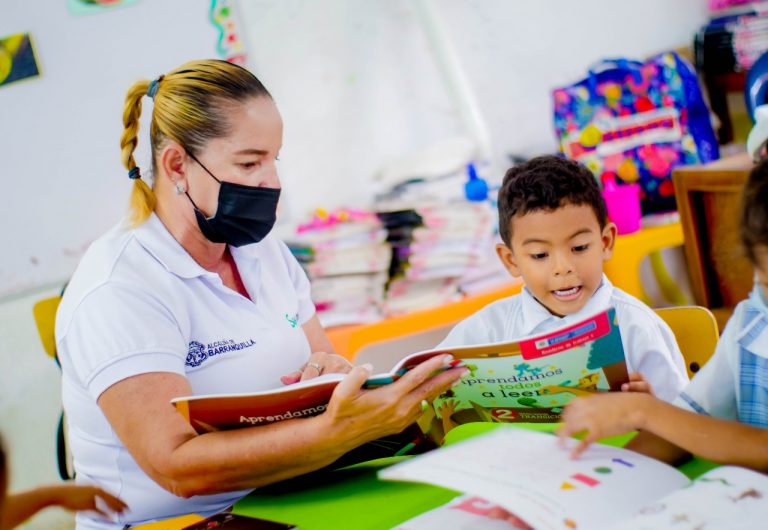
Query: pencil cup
{"type": "Point", "coordinates": [623, 203]}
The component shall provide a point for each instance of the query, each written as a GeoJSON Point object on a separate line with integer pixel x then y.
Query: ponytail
{"type": "Point", "coordinates": [143, 200]}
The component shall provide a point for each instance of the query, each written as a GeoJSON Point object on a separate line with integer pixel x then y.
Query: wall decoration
{"type": "Point", "coordinates": [86, 7]}
{"type": "Point", "coordinates": [230, 45]}
{"type": "Point", "coordinates": [17, 58]}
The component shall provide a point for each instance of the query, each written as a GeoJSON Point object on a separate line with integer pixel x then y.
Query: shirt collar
{"type": "Point", "coordinates": [536, 317]}
{"type": "Point", "coordinates": [158, 241]}
{"type": "Point", "coordinates": [757, 300]}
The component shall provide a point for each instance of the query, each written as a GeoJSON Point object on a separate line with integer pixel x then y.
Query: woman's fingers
{"type": "Point", "coordinates": [321, 362]}
{"type": "Point", "coordinates": [293, 377]}
{"type": "Point", "coordinates": [429, 390]}
{"type": "Point", "coordinates": [437, 368]}
{"type": "Point", "coordinates": [351, 385]}
{"type": "Point", "coordinates": [336, 364]}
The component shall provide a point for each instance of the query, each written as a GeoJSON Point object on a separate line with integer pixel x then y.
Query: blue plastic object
{"type": "Point", "coordinates": [475, 189]}
{"type": "Point", "coordinates": [756, 85]}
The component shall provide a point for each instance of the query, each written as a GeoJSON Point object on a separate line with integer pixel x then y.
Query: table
{"type": "Point", "coordinates": [355, 498]}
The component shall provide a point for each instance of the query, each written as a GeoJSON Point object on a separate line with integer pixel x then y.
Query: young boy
{"type": "Point", "coordinates": [553, 221]}
{"type": "Point", "coordinates": [18, 507]}
{"type": "Point", "coordinates": [722, 415]}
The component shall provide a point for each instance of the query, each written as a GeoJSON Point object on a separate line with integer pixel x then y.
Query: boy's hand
{"type": "Point", "coordinates": [600, 416]}
{"type": "Point", "coordinates": [637, 383]}
{"type": "Point", "coordinates": [76, 498]}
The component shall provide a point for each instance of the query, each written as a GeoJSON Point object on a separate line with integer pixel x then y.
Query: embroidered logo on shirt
{"type": "Point", "coordinates": [292, 320]}
{"type": "Point", "coordinates": [198, 352]}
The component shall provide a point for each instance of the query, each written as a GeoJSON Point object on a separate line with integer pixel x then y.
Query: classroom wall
{"type": "Point", "coordinates": [63, 183]}
{"type": "Point", "coordinates": [357, 82]}
{"type": "Point", "coordinates": [358, 85]}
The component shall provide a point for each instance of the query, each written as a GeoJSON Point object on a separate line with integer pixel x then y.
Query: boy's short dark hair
{"type": "Point", "coordinates": [547, 183]}
{"type": "Point", "coordinates": [753, 227]}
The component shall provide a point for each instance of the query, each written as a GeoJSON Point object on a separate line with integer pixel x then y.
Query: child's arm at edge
{"type": "Point", "coordinates": [19, 507]}
{"type": "Point", "coordinates": [668, 432]}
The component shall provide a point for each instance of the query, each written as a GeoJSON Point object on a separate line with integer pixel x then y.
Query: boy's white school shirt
{"type": "Point", "coordinates": [649, 344]}
{"type": "Point", "coordinates": [139, 303]}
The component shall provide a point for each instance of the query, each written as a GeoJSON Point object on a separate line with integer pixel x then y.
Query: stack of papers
{"type": "Point", "coordinates": [750, 38]}
{"type": "Point", "coordinates": [347, 258]}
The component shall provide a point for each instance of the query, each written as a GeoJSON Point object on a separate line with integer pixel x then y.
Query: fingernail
{"type": "Point", "coordinates": [447, 359]}
{"type": "Point", "coordinates": [367, 367]}
{"type": "Point", "coordinates": [456, 383]}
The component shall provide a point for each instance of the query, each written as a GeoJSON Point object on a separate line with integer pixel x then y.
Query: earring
{"type": "Point", "coordinates": [180, 188]}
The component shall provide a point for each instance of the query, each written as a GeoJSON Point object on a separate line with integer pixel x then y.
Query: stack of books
{"type": "Point", "coordinates": [433, 247]}
{"type": "Point", "coordinates": [347, 258]}
{"type": "Point", "coordinates": [733, 39]}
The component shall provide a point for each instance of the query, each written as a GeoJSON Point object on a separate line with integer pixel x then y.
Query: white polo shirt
{"type": "Point", "coordinates": [139, 303]}
{"type": "Point", "coordinates": [649, 345]}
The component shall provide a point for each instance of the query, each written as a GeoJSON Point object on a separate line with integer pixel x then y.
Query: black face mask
{"type": "Point", "coordinates": [244, 215]}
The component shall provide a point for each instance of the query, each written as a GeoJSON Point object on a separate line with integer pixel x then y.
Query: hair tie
{"type": "Point", "coordinates": [154, 85]}
{"type": "Point", "coordinates": [134, 173]}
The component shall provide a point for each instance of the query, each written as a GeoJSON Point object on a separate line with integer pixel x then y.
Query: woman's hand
{"type": "Point", "coordinates": [359, 415]}
{"type": "Point", "coordinates": [319, 363]}
{"type": "Point", "coordinates": [602, 415]}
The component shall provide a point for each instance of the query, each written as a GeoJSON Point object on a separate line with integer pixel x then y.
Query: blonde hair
{"type": "Point", "coordinates": [191, 107]}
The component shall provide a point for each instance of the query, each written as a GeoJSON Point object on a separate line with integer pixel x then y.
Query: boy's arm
{"type": "Point", "coordinates": [722, 441]}
{"type": "Point", "coordinates": [21, 506]}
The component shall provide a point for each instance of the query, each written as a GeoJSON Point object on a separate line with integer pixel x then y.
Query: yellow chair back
{"type": "Point", "coordinates": [696, 331]}
{"type": "Point", "coordinates": [45, 318]}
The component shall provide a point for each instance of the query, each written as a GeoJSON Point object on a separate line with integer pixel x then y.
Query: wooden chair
{"type": "Point", "coordinates": [696, 332]}
{"type": "Point", "coordinates": [709, 201]}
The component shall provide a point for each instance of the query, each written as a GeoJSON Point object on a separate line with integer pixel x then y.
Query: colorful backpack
{"type": "Point", "coordinates": [636, 121]}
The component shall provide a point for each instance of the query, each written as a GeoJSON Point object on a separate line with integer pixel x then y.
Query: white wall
{"type": "Point", "coordinates": [356, 81]}
{"type": "Point", "coordinates": [358, 86]}
{"type": "Point", "coordinates": [60, 170]}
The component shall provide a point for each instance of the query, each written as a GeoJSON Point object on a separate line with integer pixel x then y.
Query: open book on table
{"type": "Point", "coordinates": [534, 478]}
{"type": "Point", "coordinates": [525, 380]}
